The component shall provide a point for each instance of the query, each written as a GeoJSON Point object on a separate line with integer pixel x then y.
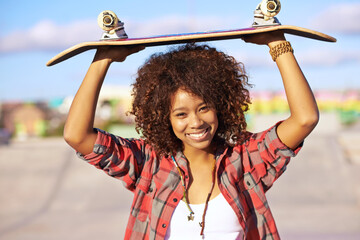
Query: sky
{"type": "Point", "coordinates": [32, 32]}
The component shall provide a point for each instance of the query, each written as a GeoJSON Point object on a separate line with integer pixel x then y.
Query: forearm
{"type": "Point", "coordinates": [78, 131]}
{"type": "Point", "coordinates": [303, 108]}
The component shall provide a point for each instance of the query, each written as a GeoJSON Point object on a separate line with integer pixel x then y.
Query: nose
{"type": "Point", "coordinates": [195, 121]}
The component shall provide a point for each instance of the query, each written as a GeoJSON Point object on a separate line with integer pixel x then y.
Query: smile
{"type": "Point", "coordinates": [199, 135]}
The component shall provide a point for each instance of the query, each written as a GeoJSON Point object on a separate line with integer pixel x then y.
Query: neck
{"type": "Point", "coordinates": [199, 156]}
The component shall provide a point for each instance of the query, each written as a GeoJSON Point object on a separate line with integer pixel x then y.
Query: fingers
{"type": "Point", "coordinates": [245, 39]}
{"type": "Point", "coordinates": [116, 53]}
{"type": "Point", "coordinates": [129, 50]}
{"type": "Point", "coordinates": [264, 38]}
{"type": "Point", "coordinates": [251, 39]}
{"type": "Point", "coordinates": [135, 49]}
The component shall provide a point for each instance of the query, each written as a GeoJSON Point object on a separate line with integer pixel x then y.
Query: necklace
{"type": "Point", "coordinates": [191, 215]}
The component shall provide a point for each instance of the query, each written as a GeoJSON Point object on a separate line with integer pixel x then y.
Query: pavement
{"type": "Point", "coordinates": [47, 193]}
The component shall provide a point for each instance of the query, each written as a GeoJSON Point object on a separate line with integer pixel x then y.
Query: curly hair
{"type": "Point", "coordinates": [217, 78]}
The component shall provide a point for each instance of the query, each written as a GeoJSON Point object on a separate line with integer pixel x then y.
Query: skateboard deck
{"type": "Point", "coordinates": [122, 40]}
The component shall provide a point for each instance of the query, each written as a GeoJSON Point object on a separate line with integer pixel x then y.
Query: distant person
{"type": "Point", "coordinates": [196, 173]}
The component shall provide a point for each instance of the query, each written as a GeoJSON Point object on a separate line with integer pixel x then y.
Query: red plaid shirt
{"type": "Point", "coordinates": [245, 172]}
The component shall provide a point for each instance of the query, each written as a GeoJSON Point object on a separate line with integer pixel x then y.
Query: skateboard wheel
{"type": "Point", "coordinates": [270, 8]}
{"type": "Point", "coordinates": [107, 20]}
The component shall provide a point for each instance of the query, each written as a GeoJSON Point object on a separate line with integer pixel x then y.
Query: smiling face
{"type": "Point", "coordinates": [193, 121]}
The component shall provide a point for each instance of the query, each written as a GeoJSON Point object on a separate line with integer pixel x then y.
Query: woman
{"type": "Point", "coordinates": [197, 172]}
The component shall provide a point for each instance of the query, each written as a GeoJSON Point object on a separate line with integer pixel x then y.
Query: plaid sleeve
{"type": "Point", "coordinates": [118, 157]}
{"type": "Point", "coordinates": [268, 156]}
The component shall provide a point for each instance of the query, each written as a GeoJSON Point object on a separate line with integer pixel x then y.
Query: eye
{"type": "Point", "coordinates": [180, 114]}
{"type": "Point", "coordinates": [204, 108]}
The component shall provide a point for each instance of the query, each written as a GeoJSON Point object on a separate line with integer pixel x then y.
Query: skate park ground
{"type": "Point", "coordinates": [47, 193]}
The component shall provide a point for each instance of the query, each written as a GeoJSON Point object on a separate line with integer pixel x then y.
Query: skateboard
{"type": "Point", "coordinates": [115, 35]}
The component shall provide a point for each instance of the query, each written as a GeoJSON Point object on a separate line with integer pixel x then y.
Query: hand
{"type": "Point", "coordinates": [266, 38]}
{"type": "Point", "coordinates": [116, 53]}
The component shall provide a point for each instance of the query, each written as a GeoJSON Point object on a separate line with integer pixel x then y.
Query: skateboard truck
{"type": "Point", "coordinates": [265, 12]}
{"type": "Point", "coordinates": [112, 26]}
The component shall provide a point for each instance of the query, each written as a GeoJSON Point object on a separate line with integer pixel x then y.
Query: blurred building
{"type": "Point", "coordinates": [27, 120]}
{"type": "Point", "coordinates": [24, 120]}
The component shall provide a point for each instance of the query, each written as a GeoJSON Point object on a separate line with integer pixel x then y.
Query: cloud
{"type": "Point", "coordinates": [341, 18]}
{"type": "Point", "coordinates": [175, 24]}
{"type": "Point", "coordinates": [251, 59]}
{"type": "Point", "coordinates": [309, 57]}
{"type": "Point", "coordinates": [47, 35]}
{"type": "Point", "coordinates": [328, 58]}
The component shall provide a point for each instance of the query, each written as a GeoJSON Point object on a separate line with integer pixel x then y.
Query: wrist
{"type": "Point", "coordinates": [275, 39]}
{"type": "Point", "coordinates": [101, 63]}
{"type": "Point", "coordinates": [102, 54]}
{"type": "Point", "coordinates": [105, 61]}
{"type": "Point", "coordinates": [279, 48]}
{"type": "Point", "coordinates": [273, 44]}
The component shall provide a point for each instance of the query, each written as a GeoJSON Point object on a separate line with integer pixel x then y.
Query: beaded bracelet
{"type": "Point", "coordinates": [279, 49]}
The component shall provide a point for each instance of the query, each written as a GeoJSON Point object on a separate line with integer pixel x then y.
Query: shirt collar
{"type": "Point", "coordinates": [220, 152]}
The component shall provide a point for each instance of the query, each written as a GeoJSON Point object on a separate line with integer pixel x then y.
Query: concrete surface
{"type": "Point", "coordinates": [47, 193]}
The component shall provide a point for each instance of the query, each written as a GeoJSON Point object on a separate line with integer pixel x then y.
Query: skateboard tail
{"type": "Point", "coordinates": [68, 53]}
{"type": "Point", "coordinates": [311, 34]}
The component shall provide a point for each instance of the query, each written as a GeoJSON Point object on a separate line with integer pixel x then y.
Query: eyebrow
{"type": "Point", "coordinates": [183, 108]}
{"type": "Point", "coordinates": [178, 109]}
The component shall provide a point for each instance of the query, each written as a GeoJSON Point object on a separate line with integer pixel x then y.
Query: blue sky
{"type": "Point", "coordinates": [32, 32]}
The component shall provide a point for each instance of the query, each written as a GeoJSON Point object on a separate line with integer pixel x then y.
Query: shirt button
{"type": "Point", "coordinates": [164, 225]}
{"type": "Point", "coordinates": [175, 200]}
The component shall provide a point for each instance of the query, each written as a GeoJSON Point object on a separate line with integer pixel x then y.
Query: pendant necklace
{"type": "Point", "coordinates": [191, 215]}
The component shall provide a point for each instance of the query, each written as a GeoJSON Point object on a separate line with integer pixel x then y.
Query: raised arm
{"type": "Point", "coordinates": [304, 111]}
{"type": "Point", "coordinates": [78, 131]}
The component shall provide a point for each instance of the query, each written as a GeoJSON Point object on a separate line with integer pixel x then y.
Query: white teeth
{"type": "Point", "coordinates": [197, 135]}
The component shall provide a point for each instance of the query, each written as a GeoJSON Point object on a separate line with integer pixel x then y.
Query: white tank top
{"type": "Point", "coordinates": [221, 221]}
